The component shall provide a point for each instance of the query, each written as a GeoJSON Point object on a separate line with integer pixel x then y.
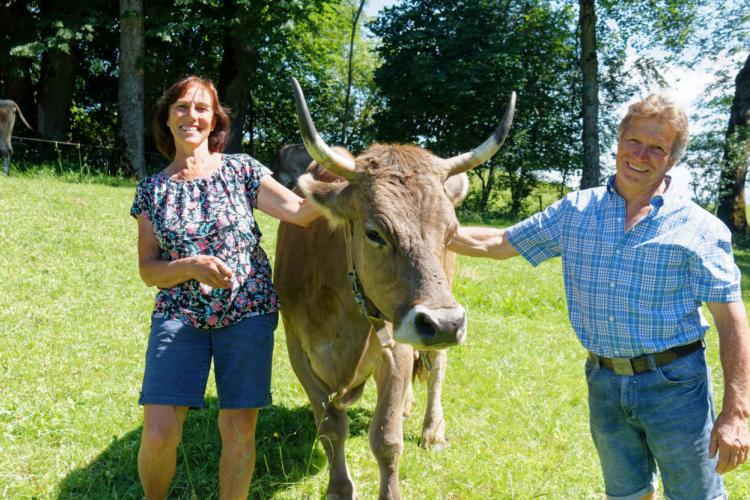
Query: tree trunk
{"type": "Point", "coordinates": [130, 91]}
{"type": "Point", "coordinates": [233, 94]}
{"type": "Point", "coordinates": [232, 87]}
{"type": "Point", "coordinates": [56, 85]}
{"type": "Point", "coordinates": [731, 206]}
{"type": "Point", "coordinates": [345, 121]}
{"type": "Point", "coordinates": [236, 97]}
{"type": "Point", "coordinates": [484, 201]}
{"type": "Point", "coordinates": [589, 69]}
{"type": "Point", "coordinates": [251, 126]}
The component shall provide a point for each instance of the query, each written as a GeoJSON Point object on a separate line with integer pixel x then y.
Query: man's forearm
{"type": "Point", "coordinates": [735, 362]}
{"type": "Point", "coordinates": [734, 350]}
{"type": "Point", "coordinates": [488, 242]}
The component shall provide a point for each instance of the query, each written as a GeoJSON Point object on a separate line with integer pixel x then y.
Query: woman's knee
{"type": "Point", "coordinates": [238, 426]}
{"type": "Point", "coordinates": [162, 427]}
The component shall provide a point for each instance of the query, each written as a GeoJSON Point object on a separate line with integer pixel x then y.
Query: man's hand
{"type": "Point", "coordinates": [731, 438]}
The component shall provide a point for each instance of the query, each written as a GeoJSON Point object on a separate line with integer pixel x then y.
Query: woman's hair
{"type": "Point", "coordinates": [217, 139]}
{"type": "Point", "coordinates": [662, 108]}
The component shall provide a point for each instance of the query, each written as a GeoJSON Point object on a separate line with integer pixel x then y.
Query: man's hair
{"type": "Point", "coordinates": [217, 139]}
{"type": "Point", "coordinates": [664, 109]}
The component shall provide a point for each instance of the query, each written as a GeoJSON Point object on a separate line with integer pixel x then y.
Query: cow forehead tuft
{"type": "Point", "coordinates": [402, 159]}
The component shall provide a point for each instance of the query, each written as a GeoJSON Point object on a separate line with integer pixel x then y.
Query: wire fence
{"type": "Point", "coordinates": [85, 159]}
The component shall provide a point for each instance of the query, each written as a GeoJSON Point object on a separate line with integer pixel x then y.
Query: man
{"type": "Point", "coordinates": [638, 260]}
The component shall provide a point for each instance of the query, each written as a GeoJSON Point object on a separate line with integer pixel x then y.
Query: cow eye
{"type": "Point", "coordinates": [375, 237]}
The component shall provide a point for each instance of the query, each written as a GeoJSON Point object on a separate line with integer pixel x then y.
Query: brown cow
{"type": "Point", "coordinates": [429, 365]}
{"type": "Point", "coordinates": [433, 364]}
{"type": "Point", "coordinates": [8, 110]}
{"type": "Point", "coordinates": [387, 228]}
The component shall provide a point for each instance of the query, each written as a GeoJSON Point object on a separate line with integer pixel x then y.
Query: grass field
{"type": "Point", "coordinates": [75, 319]}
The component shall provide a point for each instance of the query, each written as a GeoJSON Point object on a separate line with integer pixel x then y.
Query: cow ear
{"type": "Point", "coordinates": [332, 198]}
{"type": "Point", "coordinates": [457, 187]}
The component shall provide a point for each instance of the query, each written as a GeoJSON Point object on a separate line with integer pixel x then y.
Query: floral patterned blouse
{"type": "Point", "coordinates": [211, 216]}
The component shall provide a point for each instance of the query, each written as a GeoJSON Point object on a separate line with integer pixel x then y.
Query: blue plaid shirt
{"type": "Point", "coordinates": [636, 292]}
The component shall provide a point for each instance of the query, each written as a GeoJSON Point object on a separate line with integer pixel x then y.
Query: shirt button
{"type": "Point", "coordinates": [611, 318]}
{"type": "Point", "coordinates": [617, 251]}
{"type": "Point", "coordinates": [612, 284]}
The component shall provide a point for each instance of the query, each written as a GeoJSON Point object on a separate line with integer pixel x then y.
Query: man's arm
{"type": "Point", "coordinates": [482, 242]}
{"type": "Point", "coordinates": [730, 435]}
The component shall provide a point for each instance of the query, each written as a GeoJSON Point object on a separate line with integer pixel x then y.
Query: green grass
{"type": "Point", "coordinates": [75, 321]}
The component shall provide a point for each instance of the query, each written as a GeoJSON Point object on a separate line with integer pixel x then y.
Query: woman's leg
{"type": "Point", "coordinates": [157, 456]}
{"type": "Point", "coordinates": [242, 363]}
{"type": "Point", "coordinates": [237, 428]}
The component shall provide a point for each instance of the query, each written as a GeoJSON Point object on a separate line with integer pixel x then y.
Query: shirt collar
{"type": "Point", "coordinates": [657, 201]}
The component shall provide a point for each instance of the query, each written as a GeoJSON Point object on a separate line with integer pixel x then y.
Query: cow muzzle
{"type": "Point", "coordinates": [429, 329]}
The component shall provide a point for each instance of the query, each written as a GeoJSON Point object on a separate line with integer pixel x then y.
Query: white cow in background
{"type": "Point", "coordinates": [8, 110]}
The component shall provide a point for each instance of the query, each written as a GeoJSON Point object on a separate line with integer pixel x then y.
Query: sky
{"type": "Point", "coordinates": [373, 6]}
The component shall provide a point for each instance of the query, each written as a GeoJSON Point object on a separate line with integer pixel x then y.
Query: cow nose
{"type": "Point", "coordinates": [426, 325]}
{"type": "Point", "coordinates": [431, 325]}
{"type": "Point", "coordinates": [427, 328]}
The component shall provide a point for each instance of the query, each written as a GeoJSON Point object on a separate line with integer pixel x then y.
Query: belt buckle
{"type": "Point", "coordinates": [622, 366]}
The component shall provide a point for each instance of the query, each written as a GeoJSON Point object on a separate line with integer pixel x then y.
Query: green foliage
{"type": "Point", "coordinates": [75, 319]}
{"type": "Point", "coordinates": [316, 53]}
{"type": "Point", "coordinates": [703, 162]}
{"type": "Point", "coordinates": [448, 68]}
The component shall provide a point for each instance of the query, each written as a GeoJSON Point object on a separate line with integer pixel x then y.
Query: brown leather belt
{"type": "Point", "coordinates": [631, 366]}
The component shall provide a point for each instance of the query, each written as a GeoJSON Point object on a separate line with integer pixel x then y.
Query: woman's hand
{"type": "Point", "coordinates": [210, 271]}
{"type": "Point", "coordinates": [206, 269]}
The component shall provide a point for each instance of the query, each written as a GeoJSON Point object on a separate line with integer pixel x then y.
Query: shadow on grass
{"type": "Point", "coordinates": [286, 454]}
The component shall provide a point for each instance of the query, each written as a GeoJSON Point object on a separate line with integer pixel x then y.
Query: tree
{"type": "Point", "coordinates": [725, 29]}
{"type": "Point", "coordinates": [130, 90]}
{"type": "Point", "coordinates": [731, 203]}
{"type": "Point", "coordinates": [589, 70]}
{"type": "Point", "coordinates": [350, 71]}
{"type": "Point", "coordinates": [448, 68]}
{"type": "Point", "coordinates": [607, 30]}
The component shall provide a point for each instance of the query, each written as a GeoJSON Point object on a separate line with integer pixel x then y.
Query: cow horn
{"type": "Point", "coordinates": [484, 152]}
{"type": "Point", "coordinates": [318, 149]}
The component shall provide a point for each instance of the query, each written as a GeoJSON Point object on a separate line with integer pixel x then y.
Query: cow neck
{"type": "Point", "coordinates": [369, 309]}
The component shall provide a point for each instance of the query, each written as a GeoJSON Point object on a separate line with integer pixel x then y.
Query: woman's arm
{"type": "Point", "coordinates": [277, 201]}
{"type": "Point", "coordinates": [477, 241]}
{"type": "Point", "coordinates": [207, 269]}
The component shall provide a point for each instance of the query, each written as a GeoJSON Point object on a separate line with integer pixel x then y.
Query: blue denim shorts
{"type": "Point", "coordinates": [179, 356]}
{"type": "Point", "coordinates": [658, 418]}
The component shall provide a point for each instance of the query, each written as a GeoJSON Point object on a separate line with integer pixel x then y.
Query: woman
{"type": "Point", "coordinates": [199, 244]}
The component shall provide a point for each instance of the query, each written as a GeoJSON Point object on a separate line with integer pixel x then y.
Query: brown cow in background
{"type": "Point", "coordinates": [291, 161]}
{"type": "Point", "coordinates": [8, 110]}
{"type": "Point", "coordinates": [386, 232]}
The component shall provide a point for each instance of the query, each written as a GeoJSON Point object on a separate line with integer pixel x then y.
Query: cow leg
{"type": "Point", "coordinates": [386, 432]}
{"type": "Point", "coordinates": [433, 427]}
{"type": "Point", "coordinates": [332, 423]}
{"type": "Point", "coordinates": [409, 398]}
{"type": "Point", "coordinates": [6, 162]}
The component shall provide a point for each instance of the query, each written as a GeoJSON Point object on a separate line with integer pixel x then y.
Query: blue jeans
{"type": "Point", "coordinates": [662, 417]}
